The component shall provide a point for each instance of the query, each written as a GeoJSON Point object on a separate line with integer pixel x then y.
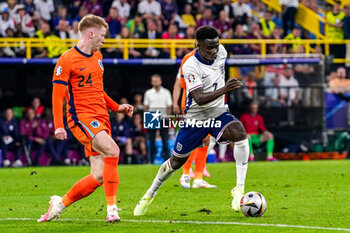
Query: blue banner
{"type": "Point", "coordinates": [165, 61]}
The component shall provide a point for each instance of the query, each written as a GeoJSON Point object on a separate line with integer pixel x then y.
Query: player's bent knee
{"type": "Point", "coordinates": [239, 136]}
{"type": "Point", "coordinates": [234, 132]}
{"type": "Point", "coordinates": [112, 150]}
{"type": "Point", "coordinates": [177, 162]}
{"type": "Point", "coordinates": [242, 143]}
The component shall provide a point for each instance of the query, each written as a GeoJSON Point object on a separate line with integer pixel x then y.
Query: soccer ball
{"type": "Point", "coordinates": [253, 204]}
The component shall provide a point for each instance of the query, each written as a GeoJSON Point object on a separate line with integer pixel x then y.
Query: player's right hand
{"type": "Point", "coordinates": [61, 134]}
{"type": "Point", "coordinates": [233, 84]}
{"type": "Point", "coordinates": [127, 109]}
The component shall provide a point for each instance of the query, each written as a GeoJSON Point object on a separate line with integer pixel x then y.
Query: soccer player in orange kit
{"type": "Point", "coordinates": [78, 78]}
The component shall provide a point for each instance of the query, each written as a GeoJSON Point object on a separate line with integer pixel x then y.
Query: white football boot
{"type": "Point", "coordinates": [55, 209]}
{"type": "Point", "coordinates": [200, 183]}
{"type": "Point", "coordinates": [237, 193]}
{"type": "Point", "coordinates": [112, 214]}
{"type": "Point", "coordinates": [185, 181]}
{"type": "Point", "coordinates": [143, 205]}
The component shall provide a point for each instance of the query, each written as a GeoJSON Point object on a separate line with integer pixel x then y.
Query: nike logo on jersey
{"type": "Point", "coordinates": [83, 68]}
{"type": "Point", "coordinates": [205, 77]}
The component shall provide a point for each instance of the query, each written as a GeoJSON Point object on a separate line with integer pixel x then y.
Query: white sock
{"type": "Point", "coordinates": [61, 206]}
{"type": "Point", "coordinates": [164, 172]}
{"type": "Point", "coordinates": [222, 150]}
{"type": "Point", "coordinates": [241, 153]}
{"type": "Point", "coordinates": [111, 207]}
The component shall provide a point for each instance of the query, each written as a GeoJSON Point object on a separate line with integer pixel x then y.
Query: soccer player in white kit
{"type": "Point", "coordinates": [204, 74]}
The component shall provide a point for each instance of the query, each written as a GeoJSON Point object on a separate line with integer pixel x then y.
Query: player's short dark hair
{"type": "Point", "coordinates": [337, 2]}
{"type": "Point", "coordinates": [206, 32]}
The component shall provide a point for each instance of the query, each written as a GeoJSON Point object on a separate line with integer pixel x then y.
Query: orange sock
{"type": "Point", "coordinates": [111, 179]}
{"type": "Point", "coordinates": [81, 189]}
{"type": "Point", "coordinates": [199, 162]}
{"type": "Point", "coordinates": [187, 166]}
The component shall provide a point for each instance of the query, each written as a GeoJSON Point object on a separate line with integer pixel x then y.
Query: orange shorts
{"type": "Point", "coordinates": [86, 129]}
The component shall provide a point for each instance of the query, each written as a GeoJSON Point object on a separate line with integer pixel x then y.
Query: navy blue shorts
{"type": "Point", "coordinates": [191, 137]}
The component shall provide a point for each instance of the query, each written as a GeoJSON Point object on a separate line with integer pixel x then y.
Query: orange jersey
{"type": "Point", "coordinates": [182, 81]}
{"type": "Point", "coordinates": [82, 74]}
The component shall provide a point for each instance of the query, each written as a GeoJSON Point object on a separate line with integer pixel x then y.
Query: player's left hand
{"type": "Point", "coordinates": [127, 109]}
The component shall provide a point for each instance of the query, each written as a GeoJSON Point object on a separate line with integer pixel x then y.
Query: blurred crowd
{"type": "Point", "coordinates": [280, 86]}
{"type": "Point", "coordinates": [26, 139]}
{"type": "Point", "coordinates": [168, 19]}
{"type": "Point", "coordinates": [26, 134]}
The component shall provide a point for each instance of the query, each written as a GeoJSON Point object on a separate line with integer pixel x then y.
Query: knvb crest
{"type": "Point", "coordinates": [95, 124]}
{"type": "Point", "coordinates": [151, 120]}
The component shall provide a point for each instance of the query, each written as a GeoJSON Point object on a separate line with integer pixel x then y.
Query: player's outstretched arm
{"type": "Point", "coordinates": [114, 107]}
{"type": "Point", "coordinates": [111, 104]}
{"type": "Point", "coordinates": [203, 98]}
{"type": "Point", "coordinates": [58, 94]}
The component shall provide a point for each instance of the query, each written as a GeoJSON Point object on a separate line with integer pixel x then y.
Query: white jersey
{"type": "Point", "coordinates": [198, 73]}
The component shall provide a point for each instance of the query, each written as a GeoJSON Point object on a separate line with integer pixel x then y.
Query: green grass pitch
{"type": "Point", "coordinates": [313, 194]}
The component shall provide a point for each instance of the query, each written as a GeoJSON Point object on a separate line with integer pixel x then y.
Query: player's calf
{"type": "Point", "coordinates": [164, 172]}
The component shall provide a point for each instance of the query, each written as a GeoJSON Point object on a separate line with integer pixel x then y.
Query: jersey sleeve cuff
{"type": "Point", "coordinates": [59, 127]}
{"type": "Point", "coordinates": [116, 108]}
{"type": "Point", "coordinates": [60, 82]}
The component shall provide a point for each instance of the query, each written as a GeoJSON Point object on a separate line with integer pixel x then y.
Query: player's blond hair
{"type": "Point", "coordinates": [91, 21]}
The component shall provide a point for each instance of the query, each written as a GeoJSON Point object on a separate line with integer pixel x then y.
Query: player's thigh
{"type": "Point", "coordinates": [234, 132]}
{"type": "Point", "coordinates": [105, 145]}
{"type": "Point", "coordinates": [85, 139]}
{"type": "Point", "coordinates": [188, 139]}
{"type": "Point", "coordinates": [86, 129]}
{"type": "Point", "coordinates": [230, 129]}
{"type": "Point", "coordinates": [97, 164]}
